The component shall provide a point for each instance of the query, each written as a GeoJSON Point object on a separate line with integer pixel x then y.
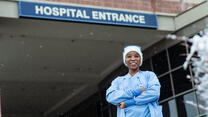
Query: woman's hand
{"type": "Point", "coordinates": [143, 89]}
{"type": "Point", "coordinates": [122, 105]}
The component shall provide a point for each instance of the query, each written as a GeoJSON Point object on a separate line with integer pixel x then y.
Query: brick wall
{"type": "Point", "coordinates": [163, 6]}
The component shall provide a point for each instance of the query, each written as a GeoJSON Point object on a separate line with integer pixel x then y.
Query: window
{"type": "Point", "coordinates": [177, 55]}
{"type": "Point", "coordinates": [201, 102]}
{"type": "Point", "coordinates": [165, 90]}
{"type": "Point", "coordinates": [184, 109]}
{"type": "Point", "coordinates": [180, 80]}
{"type": "Point", "coordinates": [169, 109]}
{"type": "Point", "coordinates": [172, 77]}
{"type": "Point", "coordinates": [146, 66]}
{"type": "Point", "coordinates": [160, 63]}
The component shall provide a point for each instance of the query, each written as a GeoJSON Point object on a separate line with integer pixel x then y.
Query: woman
{"type": "Point", "coordinates": [136, 94]}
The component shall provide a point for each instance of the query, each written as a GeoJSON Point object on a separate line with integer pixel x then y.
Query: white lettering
{"type": "Point", "coordinates": [62, 11]}
{"type": "Point", "coordinates": [142, 20]}
{"type": "Point", "coordinates": [73, 12]}
{"type": "Point", "coordinates": [102, 16]}
{"type": "Point", "coordinates": [38, 10]}
{"type": "Point", "coordinates": [128, 18]}
{"type": "Point", "coordinates": [121, 18]}
{"type": "Point", "coordinates": [55, 11]}
{"type": "Point", "coordinates": [47, 10]}
{"type": "Point", "coordinates": [114, 16]}
{"type": "Point", "coordinates": [135, 19]}
{"type": "Point", "coordinates": [108, 15]}
{"type": "Point", "coordinates": [85, 15]}
{"type": "Point", "coordinates": [79, 14]}
{"type": "Point", "coordinates": [95, 15]}
{"type": "Point", "coordinates": [68, 12]}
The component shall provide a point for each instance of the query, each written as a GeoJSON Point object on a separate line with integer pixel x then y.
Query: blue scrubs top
{"type": "Point", "coordinates": [128, 89]}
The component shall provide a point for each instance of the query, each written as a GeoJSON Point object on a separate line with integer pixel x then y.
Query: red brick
{"type": "Point", "coordinates": [147, 5]}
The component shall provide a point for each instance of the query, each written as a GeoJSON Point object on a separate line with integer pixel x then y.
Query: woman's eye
{"type": "Point", "coordinates": [128, 56]}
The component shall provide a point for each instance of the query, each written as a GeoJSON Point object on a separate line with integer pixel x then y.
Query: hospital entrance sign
{"type": "Point", "coordinates": [86, 14]}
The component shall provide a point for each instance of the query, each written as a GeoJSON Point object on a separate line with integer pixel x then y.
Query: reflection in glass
{"type": "Point", "coordinates": [172, 108]}
{"type": "Point", "coordinates": [177, 55]}
{"type": "Point", "coordinates": [165, 90]}
{"type": "Point", "coordinates": [190, 97]}
{"type": "Point", "coordinates": [201, 102]}
{"type": "Point", "coordinates": [169, 109]}
{"type": "Point", "coordinates": [160, 63]}
{"type": "Point", "coordinates": [180, 80]}
{"type": "Point", "coordinates": [186, 110]}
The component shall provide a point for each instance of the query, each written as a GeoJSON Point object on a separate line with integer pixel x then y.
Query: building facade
{"type": "Point", "coordinates": [59, 61]}
{"type": "Point", "coordinates": [176, 88]}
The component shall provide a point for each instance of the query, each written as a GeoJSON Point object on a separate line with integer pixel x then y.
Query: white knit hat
{"type": "Point", "coordinates": [130, 48]}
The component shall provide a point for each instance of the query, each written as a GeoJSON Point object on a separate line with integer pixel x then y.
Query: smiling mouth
{"type": "Point", "coordinates": [133, 63]}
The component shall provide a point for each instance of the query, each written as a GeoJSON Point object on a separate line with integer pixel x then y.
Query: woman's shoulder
{"type": "Point", "coordinates": [148, 72]}
{"type": "Point", "coordinates": [118, 79]}
{"type": "Point", "coordinates": [121, 77]}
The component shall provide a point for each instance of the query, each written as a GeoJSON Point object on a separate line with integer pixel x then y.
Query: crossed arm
{"type": "Point", "coordinates": [123, 105]}
{"type": "Point", "coordinates": [138, 96]}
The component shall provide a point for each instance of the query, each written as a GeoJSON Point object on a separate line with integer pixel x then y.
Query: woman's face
{"type": "Point", "coordinates": [133, 60]}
